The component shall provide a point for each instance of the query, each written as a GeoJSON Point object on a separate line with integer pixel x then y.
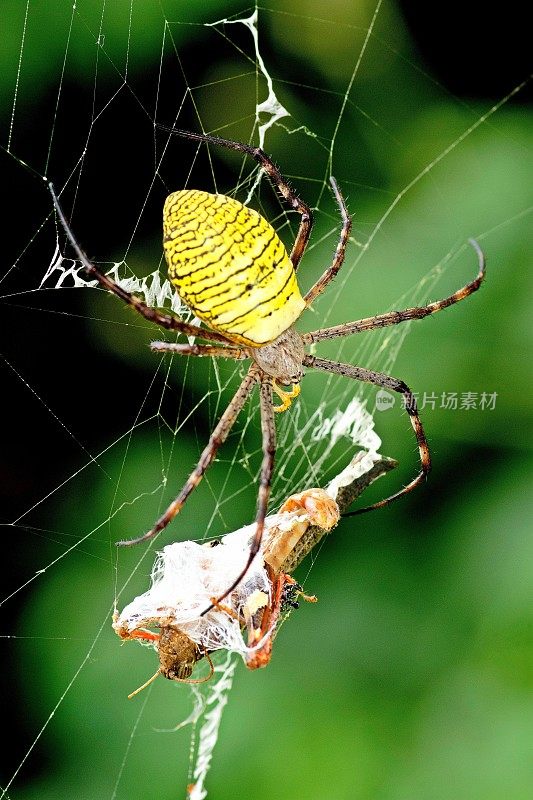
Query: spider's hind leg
{"type": "Point", "coordinates": [164, 320]}
{"type": "Point", "coordinates": [281, 183]}
{"type": "Point", "coordinates": [338, 258]}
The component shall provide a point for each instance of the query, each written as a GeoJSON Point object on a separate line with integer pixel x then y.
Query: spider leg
{"type": "Point", "coordinates": [394, 317]}
{"type": "Point", "coordinates": [275, 176]}
{"type": "Point", "coordinates": [219, 435]}
{"type": "Point", "coordinates": [152, 314]}
{"type": "Point", "coordinates": [237, 353]}
{"type": "Point", "coordinates": [268, 428]}
{"type": "Point", "coordinates": [395, 385]}
{"type": "Point", "coordinates": [338, 258]}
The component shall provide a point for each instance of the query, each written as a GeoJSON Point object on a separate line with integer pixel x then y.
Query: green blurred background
{"type": "Point", "coordinates": [412, 678]}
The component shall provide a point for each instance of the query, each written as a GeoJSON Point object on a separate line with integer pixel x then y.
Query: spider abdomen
{"type": "Point", "coordinates": [230, 267]}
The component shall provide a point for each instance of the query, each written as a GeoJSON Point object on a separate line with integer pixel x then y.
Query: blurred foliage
{"type": "Point", "coordinates": [412, 677]}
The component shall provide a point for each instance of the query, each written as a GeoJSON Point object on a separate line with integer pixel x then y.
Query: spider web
{"type": "Point", "coordinates": [125, 425]}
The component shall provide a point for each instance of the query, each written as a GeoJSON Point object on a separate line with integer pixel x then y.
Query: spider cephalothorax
{"type": "Point", "coordinates": [283, 358]}
{"type": "Point", "coordinates": [230, 267]}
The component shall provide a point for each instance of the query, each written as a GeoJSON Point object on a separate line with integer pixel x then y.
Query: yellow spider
{"type": "Point", "coordinates": [232, 270]}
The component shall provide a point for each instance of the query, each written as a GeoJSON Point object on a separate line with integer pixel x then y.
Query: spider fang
{"type": "Point", "coordinates": [284, 396]}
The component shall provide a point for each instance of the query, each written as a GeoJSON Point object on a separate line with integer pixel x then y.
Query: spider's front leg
{"type": "Point", "coordinates": [218, 436]}
{"type": "Point", "coordinates": [268, 428]}
{"type": "Point", "coordinates": [395, 317]}
{"type": "Point", "coordinates": [395, 385]}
